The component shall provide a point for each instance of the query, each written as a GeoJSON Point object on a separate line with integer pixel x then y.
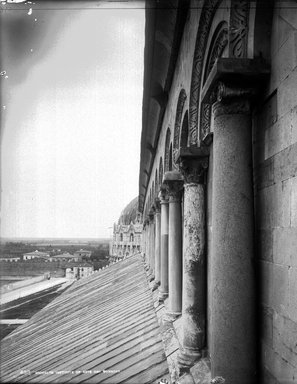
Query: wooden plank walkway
{"type": "Point", "coordinates": [102, 329]}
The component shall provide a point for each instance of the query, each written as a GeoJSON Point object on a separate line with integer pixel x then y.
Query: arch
{"type": "Point", "coordinates": [160, 171]}
{"type": "Point", "coordinates": [178, 118]}
{"type": "Point", "coordinates": [217, 46]}
{"type": "Point", "coordinates": [170, 158]}
{"type": "Point", "coordinates": [167, 149]}
{"type": "Point", "coordinates": [238, 33]}
{"type": "Point", "coordinates": [206, 18]}
{"type": "Point", "coordinates": [216, 49]}
{"type": "Point", "coordinates": [184, 131]}
{"type": "Point", "coordinates": [156, 183]}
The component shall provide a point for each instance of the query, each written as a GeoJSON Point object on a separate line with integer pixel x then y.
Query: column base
{"type": "Point", "coordinates": [156, 285]}
{"type": "Point", "coordinates": [162, 296]}
{"type": "Point", "coordinates": [218, 380]}
{"type": "Point", "coordinates": [186, 378]}
{"type": "Point", "coordinates": [186, 358]}
{"type": "Point", "coordinates": [151, 278]}
{"type": "Point", "coordinates": [171, 316]}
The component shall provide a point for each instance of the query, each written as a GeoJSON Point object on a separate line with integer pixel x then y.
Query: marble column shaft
{"type": "Point", "coordinates": [157, 241]}
{"type": "Point", "coordinates": [233, 344]}
{"type": "Point", "coordinates": [163, 290]}
{"type": "Point", "coordinates": [193, 167]}
{"type": "Point", "coordinates": [152, 242]}
{"type": "Point", "coordinates": [174, 185]}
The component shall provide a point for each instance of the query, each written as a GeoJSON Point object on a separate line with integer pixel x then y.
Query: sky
{"type": "Point", "coordinates": [71, 99]}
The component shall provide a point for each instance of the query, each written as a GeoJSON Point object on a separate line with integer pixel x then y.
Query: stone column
{"type": "Point", "coordinates": [157, 243]}
{"type": "Point", "coordinates": [163, 290]}
{"type": "Point", "coordinates": [233, 344]}
{"type": "Point", "coordinates": [192, 164]}
{"type": "Point", "coordinates": [146, 242]}
{"type": "Point", "coordinates": [152, 242]}
{"type": "Point", "coordinates": [174, 185]}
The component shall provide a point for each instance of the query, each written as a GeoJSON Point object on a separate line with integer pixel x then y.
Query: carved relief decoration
{"type": "Point", "coordinates": [160, 171]}
{"type": "Point", "coordinates": [217, 47]}
{"type": "Point", "coordinates": [167, 150]}
{"type": "Point", "coordinates": [238, 31]}
{"type": "Point", "coordinates": [174, 189]}
{"type": "Point", "coordinates": [170, 158]}
{"type": "Point", "coordinates": [238, 37]}
{"type": "Point", "coordinates": [193, 170]}
{"type": "Point", "coordinates": [206, 18]}
{"type": "Point", "coordinates": [178, 117]}
{"type": "Point", "coordinates": [184, 131]}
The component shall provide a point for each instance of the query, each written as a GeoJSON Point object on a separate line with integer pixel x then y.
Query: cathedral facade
{"type": "Point", "coordinates": [218, 182]}
{"type": "Point", "coordinates": [127, 234]}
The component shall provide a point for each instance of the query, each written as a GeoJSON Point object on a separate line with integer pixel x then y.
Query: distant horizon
{"type": "Point", "coordinates": [54, 238]}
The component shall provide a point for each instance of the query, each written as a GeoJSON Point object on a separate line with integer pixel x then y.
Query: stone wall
{"type": "Point", "coordinates": [275, 186]}
{"type": "Point", "coordinates": [275, 172]}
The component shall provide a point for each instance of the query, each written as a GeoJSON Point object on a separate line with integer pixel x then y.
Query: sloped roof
{"type": "Point", "coordinates": [37, 253]}
{"type": "Point", "coordinates": [103, 322]}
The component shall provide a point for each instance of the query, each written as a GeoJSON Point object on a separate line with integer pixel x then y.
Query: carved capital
{"type": "Point", "coordinates": [163, 195]}
{"type": "Point", "coordinates": [193, 163]}
{"type": "Point", "coordinates": [226, 92]}
{"type": "Point", "coordinates": [194, 169]}
{"type": "Point", "coordinates": [230, 100]}
{"type": "Point", "coordinates": [174, 189]}
{"type": "Point", "coordinates": [173, 182]}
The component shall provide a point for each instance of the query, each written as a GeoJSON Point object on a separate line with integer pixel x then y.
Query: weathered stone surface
{"type": "Point", "coordinates": [272, 208]}
{"type": "Point", "coordinates": [283, 342]}
{"type": "Point", "coordinates": [294, 204]}
{"type": "Point", "coordinates": [284, 246]}
{"type": "Point", "coordinates": [287, 93]}
{"type": "Point", "coordinates": [277, 137]}
{"type": "Point", "coordinates": [285, 163]}
{"type": "Point", "coordinates": [267, 325]}
{"type": "Point", "coordinates": [264, 244]}
{"type": "Point", "coordinates": [267, 377]}
{"type": "Point", "coordinates": [282, 68]}
{"type": "Point", "coordinates": [292, 310]}
{"type": "Point", "coordinates": [266, 283]}
{"type": "Point", "coordinates": [201, 372]}
{"type": "Point", "coordinates": [232, 271]}
{"type": "Point", "coordinates": [278, 366]}
{"type": "Point", "coordinates": [280, 289]}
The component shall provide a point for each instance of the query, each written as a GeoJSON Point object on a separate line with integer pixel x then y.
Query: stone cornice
{"type": "Point", "coordinates": [163, 32]}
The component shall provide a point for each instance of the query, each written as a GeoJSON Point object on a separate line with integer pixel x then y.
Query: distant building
{"type": "Point", "coordinates": [82, 253]}
{"type": "Point", "coordinates": [127, 234]}
{"type": "Point", "coordinates": [67, 257]}
{"type": "Point", "coordinates": [9, 258]}
{"type": "Point", "coordinates": [78, 270]}
{"type": "Point", "coordinates": [36, 255]}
